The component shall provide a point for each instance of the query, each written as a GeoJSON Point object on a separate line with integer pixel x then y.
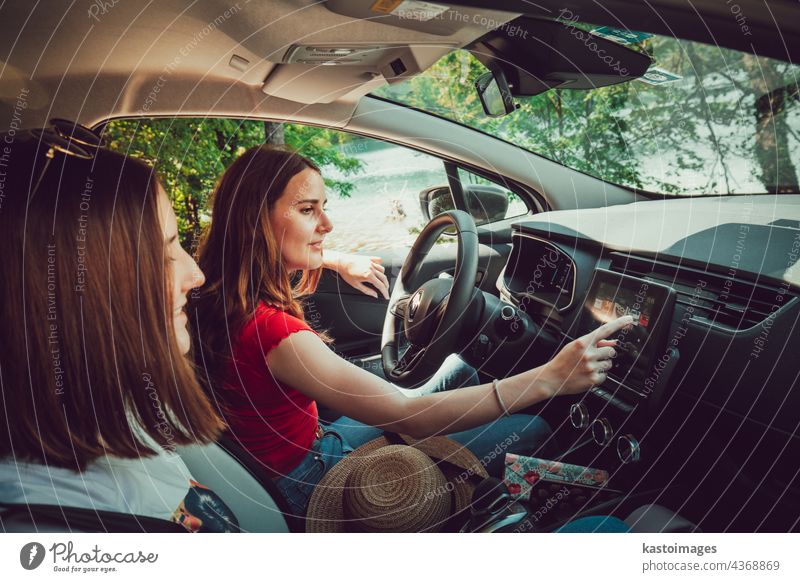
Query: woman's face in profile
{"type": "Point", "coordinates": [299, 221]}
{"type": "Point", "coordinates": [184, 274]}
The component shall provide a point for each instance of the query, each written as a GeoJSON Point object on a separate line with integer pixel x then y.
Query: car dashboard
{"type": "Point", "coordinates": [711, 368]}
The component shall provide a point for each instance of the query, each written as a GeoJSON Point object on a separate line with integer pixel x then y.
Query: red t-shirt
{"type": "Point", "coordinates": [273, 421]}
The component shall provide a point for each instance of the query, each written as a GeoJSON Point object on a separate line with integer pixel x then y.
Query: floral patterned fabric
{"type": "Point", "coordinates": [523, 473]}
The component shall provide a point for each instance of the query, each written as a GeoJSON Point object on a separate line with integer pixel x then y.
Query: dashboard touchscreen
{"type": "Point", "coordinates": [613, 295]}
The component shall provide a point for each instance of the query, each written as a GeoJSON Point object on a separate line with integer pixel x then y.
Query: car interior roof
{"type": "Point", "coordinates": [212, 57]}
{"type": "Point", "coordinates": [118, 59]}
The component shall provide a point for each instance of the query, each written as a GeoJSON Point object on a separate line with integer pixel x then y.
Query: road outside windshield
{"type": "Point", "coordinates": [706, 121]}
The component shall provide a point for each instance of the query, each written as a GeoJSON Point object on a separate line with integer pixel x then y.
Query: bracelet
{"type": "Point", "coordinates": [496, 389]}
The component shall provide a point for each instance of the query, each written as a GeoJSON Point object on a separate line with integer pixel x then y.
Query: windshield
{"type": "Point", "coordinates": [706, 120]}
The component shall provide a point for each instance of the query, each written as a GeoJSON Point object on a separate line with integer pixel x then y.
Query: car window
{"type": "Point", "coordinates": [490, 201]}
{"type": "Point", "coordinates": [190, 155]}
{"type": "Point", "coordinates": [382, 210]}
{"type": "Point", "coordinates": [373, 187]}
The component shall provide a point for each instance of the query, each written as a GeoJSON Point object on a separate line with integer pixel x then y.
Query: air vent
{"type": "Point", "coordinates": [725, 300]}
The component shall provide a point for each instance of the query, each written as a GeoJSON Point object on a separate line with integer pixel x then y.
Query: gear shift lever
{"type": "Point", "coordinates": [492, 507]}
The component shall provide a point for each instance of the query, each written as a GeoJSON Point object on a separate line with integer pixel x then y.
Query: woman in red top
{"type": "Point", "coordinates": [264, 250]}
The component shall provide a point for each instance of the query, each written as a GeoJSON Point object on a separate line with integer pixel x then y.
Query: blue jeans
{"type": "Point", "coordinates": [595, 524]}
{"type": "Point", "coordinates": [522, 434]}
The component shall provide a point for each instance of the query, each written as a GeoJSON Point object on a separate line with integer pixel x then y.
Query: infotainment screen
{"type": "Point", "coordinates": [613, 295]}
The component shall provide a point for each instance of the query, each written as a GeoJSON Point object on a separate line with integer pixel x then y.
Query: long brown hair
{"type": "Point", "coordinates": [88, 355]}
{"type": "Point", "coordinates": [241, 258]}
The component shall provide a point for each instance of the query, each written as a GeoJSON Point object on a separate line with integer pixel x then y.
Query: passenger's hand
{"type": "Point", "coordinates": [357, 270]}
{"type": "Point", "coordinates": [583, 362]}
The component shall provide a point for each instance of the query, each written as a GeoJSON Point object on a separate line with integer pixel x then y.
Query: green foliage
{"type": "Point", "coordinates": [326, 148]}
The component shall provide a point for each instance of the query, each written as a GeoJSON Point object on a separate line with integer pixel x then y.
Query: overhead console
{"type": "Point", "coordinates": [388, 42]}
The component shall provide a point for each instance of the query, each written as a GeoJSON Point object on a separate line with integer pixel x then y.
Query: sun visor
{"type": "Point", "coordinates": [547, 54]}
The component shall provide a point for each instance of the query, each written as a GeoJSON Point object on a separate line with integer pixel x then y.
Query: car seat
{"type": "Point", "coordinates": [223, 467]}
{"type": "Point", "coordinates": [234, 475]}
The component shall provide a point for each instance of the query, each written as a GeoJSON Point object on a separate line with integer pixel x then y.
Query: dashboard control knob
{"type": "Point", "coordinates": [602, 433]}
{"type": "Point", "coordinates": [628, 449]}
{"type": "Point", "coordinates": [579, 415]}
{"type": "Point", "coordinates": [507, 312]}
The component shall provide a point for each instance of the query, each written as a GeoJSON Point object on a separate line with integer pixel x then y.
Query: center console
{"type": "Point", "coordinates": [539, 295]}
{"type": "Point", "coordinates": [618, 409]}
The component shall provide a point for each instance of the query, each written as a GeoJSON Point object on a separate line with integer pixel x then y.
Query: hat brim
{"type": "Point", "coordinates": [325, 509]}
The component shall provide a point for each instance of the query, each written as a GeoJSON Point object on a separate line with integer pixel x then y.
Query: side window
{"type": "Point", "coordinates": [489, 201]}
{"type": "Point", "coordinates": [373, 187]}
{"type": "Point", "coordinates": [376, 190]}
{"type": "Point", "coordinates": [189, 155]}
{"type": "Point", "coordinates": [381, 208]}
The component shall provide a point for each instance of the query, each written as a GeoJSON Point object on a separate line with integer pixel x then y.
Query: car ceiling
{"type": "Point", "coordinates": [100, 59]}
{"type": "Point", "coordinates": [94, 60]}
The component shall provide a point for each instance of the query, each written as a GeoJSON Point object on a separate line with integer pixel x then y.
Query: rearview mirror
{"type": "Point", "coordinates": [494, 93]}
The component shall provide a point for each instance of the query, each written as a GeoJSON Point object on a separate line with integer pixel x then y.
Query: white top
{"type": "Point", "coordinates": [153, 487]}
{"type": "Point", "coordinates": [160, 486]}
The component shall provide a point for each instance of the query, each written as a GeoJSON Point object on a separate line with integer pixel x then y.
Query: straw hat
{"type": "Point", "coordinates": [385, 487]}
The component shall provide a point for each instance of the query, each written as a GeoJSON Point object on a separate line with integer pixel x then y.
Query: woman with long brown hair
{"type": "Point", "coordinates": [262, 252]}
{"type": "Point", "coordinates": [96, 390]}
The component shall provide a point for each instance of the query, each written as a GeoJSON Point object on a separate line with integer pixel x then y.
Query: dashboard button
{"type": "Point", "coordinates": [602, 433]}
{"type": "Point", "coordinates": [579, 415]}
{"type": "Point", "coordinates": [628, 449]}
{"type": "Point", "coordinates": [507, 312]}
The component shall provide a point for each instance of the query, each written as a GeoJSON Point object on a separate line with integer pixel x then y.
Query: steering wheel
{"type": "Point", "coordinates": [432, 315]}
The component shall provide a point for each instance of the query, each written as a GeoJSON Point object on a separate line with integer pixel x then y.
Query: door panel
{"type": "Point", "coordinates": [353, 319]}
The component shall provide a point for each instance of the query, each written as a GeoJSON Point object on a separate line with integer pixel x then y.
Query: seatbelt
{"type": "Point", "coordinates": [84, 520]}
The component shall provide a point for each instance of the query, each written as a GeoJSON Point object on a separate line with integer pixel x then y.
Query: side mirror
{"type": "Point", "coordinates": [495, 94]}
{"type": "Point", "coordinates": [485, 202]}
{"type": "Point", "coordinates": [433, 201]}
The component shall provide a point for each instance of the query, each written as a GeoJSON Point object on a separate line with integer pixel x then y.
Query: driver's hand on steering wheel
{"type": "Point", "coordinates": [584, 362]}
